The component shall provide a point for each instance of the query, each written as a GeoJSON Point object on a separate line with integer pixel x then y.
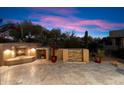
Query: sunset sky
{"type": "Point", "coordinates": [97, 21]}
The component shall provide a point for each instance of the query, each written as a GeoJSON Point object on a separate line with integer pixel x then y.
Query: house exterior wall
{"type": "Point", "coordinates": [114, 46]}
{"type": "Point", "coordinates": [116, 33]}
{"type": "Point", "coordinates": [122, 42]}
{"type": "Point", "coordinates": [117, 36]}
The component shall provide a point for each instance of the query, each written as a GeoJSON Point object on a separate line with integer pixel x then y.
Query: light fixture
{"type": "Point", "coordinates": [32, 52]}
{"type": "Point", "coordinates": [33, 49]}
{"type": "Point", "coordinates": [7, 54]}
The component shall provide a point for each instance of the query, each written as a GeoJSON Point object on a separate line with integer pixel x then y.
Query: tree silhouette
{"type": "Point", "coordinates": [29, 32]}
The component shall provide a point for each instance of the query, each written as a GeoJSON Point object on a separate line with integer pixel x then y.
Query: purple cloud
{"type": "Point", "coordinates": [77, 24]}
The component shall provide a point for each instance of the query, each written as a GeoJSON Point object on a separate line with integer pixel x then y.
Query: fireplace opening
{"type": "Point", "coordinates": [41, 54]}
{"type": "Point", "coordinates": [21, 51]}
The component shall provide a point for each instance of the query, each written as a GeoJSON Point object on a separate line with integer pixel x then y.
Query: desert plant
{"type": "Point", "coordinates": [99, 55]}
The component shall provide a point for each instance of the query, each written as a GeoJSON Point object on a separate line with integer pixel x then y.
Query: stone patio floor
{"type": "Point", "coordinates": [38, 72]}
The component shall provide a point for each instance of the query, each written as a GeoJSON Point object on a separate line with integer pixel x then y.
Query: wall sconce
{"type": "Point", "coordinates": [32, 52]}
{"type": "Point", "coordinates": [7, 54]}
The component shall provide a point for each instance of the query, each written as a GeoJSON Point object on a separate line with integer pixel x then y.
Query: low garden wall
{"type": "Point", "coordinates": [34, 51]}
{"type": "Point", "coordinates": [76, 55]}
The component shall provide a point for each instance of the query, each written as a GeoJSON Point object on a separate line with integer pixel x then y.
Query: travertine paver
{"type": "Point", "coordinates": [61, 73]}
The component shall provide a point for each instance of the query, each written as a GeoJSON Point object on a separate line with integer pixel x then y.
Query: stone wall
{"type": "Point", "coordinates": [11, 47]}
{"type": "Point", "coordinates": [47, 49]}
{"type": "Point", "coordinates": [59, 54]}
{"type": "Point", "coordinates": [75, 55]}
{"type": "Point", "coordinates": [85, 55]}
{"type": "Point", "coordinates": [65, 55]}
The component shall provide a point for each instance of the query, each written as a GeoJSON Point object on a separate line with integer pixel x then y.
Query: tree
{"type": "Point", "coordinates": [12, 29]}
{"type": "Point", "coordinates": [29, 32]}
{"type": "Point", "coordinates": [86, 39]}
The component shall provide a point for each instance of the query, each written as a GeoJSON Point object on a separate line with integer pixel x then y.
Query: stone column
{"type": "Point", "coordinates": [65, 55]}
{"type": "Point", "coordinates": [85, 55]}
{"type": "Point", "coordinates": [59, 54]}
{"type": "Point", "coordinates": [47, 53]}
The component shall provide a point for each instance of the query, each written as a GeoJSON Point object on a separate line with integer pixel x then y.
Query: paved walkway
{"type": "Point", "coordinates": [61, 73]}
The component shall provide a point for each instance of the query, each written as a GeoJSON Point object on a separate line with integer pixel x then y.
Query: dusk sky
{"type": "Point", "coordinates": [97, 21]}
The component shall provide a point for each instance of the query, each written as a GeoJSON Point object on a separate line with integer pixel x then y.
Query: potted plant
{"type": "Point", "coordinates": [99, 56]}
{"type": "Point", "coordinates": [100, 53]}
{"type": "Point", "coordinates": [54, 47]}
{"type": "Point", "coordinates": [53, 57]}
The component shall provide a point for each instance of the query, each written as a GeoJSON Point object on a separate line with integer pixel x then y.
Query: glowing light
{"type": "Point", "coordinates": [12, 53]}
{"type": "Point", "coordinates": [33, 49]}
{"type": "Point", "coordinates": [7, 54]}
{"type": "Point", "coordinates": [33, 52]}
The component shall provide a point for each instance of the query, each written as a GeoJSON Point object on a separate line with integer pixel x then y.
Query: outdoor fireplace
{"type": "Point", "coordinates": [41, 54]}
{"type": "Point", "coordinates": [21, 51]}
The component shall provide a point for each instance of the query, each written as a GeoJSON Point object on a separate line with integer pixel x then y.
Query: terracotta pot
{"type": "Point", "coordinates": [98, 60]}
{"type": "Point", "coordinates": [54, 59]}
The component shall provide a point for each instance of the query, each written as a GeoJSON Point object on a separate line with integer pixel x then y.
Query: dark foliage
{"type": "Point", "coordinates": [29, 32]}
{"type": "Point", "coordinates": [118, 53]}
{"type": "Point", "coordinates": [4, 40]}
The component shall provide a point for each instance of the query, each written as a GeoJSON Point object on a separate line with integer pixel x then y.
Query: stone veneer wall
{"type": "Point", "coordinates": [85, 55]}
{"type": "Point", "coordinates": [65, 55]}
{"type": "Point", "coordinates": [59, 54]}
{"type": "Point", "coordinates": [47, 52]}
{"type": "Point", "coordinates": [75, 55]}
{"type": "Point", "coordinates": [4, 46]}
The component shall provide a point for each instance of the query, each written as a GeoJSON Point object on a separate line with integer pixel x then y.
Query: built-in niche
{"type": "Point", "coordinates": [41, 54]}
{"type": "Point", "coordinates": [21, 51]}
